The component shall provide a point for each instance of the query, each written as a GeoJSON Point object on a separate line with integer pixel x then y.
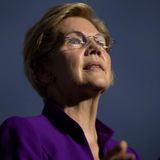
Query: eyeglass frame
{"type": "Point", "coordinates": [87, 40]}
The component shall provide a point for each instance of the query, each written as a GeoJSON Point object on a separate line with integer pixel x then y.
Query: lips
{"type": "Point", "coordinates": [93, 66]}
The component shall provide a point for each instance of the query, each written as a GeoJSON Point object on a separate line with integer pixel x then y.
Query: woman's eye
{"type": "Point", "coordinates": [75, 41]}
{"type": "Point", "coordinates": [101, 43]}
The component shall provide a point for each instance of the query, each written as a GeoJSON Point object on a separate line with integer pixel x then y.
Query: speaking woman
{"type": "Point", "coordinates": [66, 59]}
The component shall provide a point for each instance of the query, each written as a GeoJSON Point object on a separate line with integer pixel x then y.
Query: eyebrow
{"type": "Point", "coordinates": [81, 33]}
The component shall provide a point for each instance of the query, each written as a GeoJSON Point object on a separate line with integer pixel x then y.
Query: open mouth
{"type": "Point", "coordinates": [93, 66]}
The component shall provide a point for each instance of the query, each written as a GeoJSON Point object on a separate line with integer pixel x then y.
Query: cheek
{"type": "Point", "coordinates": [74, 62]}
{"type": "Point", "coordinates": [76, 68]}
{"type": "Point", "coordinates": [105, 55]}
{"type": "Point", "coordinates": [107, 59]}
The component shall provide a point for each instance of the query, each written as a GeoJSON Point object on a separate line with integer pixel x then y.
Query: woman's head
{"type": "Point", "coordinates": [42, 41]}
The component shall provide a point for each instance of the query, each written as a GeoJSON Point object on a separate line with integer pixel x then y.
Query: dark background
{"type": "Point", "coordinates": [131, 106]}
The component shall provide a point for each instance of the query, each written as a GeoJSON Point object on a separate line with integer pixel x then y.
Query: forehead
{"type": "Point", "coordinates": [77, 24]}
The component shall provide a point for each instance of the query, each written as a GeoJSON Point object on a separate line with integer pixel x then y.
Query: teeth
{"type": "Point", "coordinates": [92, 66]}
{"type": "Point", "coordinates": [95, 66]}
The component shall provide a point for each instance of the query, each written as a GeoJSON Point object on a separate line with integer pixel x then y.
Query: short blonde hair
{"type": "Point", "coordinates": [40, 38]}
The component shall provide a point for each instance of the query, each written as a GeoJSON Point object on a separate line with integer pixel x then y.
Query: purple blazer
{"type": "Point", "coordinates": [53, 135]}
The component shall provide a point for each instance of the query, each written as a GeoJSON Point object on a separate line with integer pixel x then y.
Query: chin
{"type": "Point", "coordinates": [98, 85]}
{"type": "Point", "coordinates": [102, 84]}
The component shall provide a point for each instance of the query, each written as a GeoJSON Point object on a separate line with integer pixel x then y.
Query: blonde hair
{"type": "Point", "coordinates": [41, 37]}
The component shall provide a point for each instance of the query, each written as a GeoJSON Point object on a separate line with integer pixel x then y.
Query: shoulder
{"type": "Point", "coordinates": [21, 126]}
{"type": "Point", "coordinates": [20, 123]}
{"type": "Point", "coordinates": [20, 137]}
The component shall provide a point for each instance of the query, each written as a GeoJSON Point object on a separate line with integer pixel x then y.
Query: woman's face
{"type": "Point", "coordinates": [81, 68]}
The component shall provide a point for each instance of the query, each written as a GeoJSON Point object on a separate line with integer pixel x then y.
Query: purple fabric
{"type": "Point", "coordinates": [53, 135]}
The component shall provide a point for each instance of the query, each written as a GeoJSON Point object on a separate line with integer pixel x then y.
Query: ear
{"type": "Point", "coordinates": [42, 74]}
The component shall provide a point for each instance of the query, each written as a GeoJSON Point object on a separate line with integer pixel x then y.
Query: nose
{"type": "Point", "coordinates": [93, 48]}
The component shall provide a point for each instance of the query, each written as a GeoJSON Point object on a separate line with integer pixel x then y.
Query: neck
{"type": "Point", "coordinates": [81, 105]}
{"type": "Point", "coordinates": [84, 113]}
